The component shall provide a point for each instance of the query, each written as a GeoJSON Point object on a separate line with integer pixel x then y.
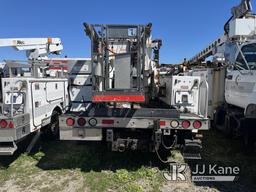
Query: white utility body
{"type": "Point", "coordinates": [216, 82]}
{"type": "Point", "coordinates": [182, 92]}
{"type": "Point", "coordinates": [31, 97]}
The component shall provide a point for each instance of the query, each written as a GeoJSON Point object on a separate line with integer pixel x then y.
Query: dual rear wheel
{"type": "Point", "coordinates": [51, 131]}
{"type": "Point", "coordinates": [236, 125]}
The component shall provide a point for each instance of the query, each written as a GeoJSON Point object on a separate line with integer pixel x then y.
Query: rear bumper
{"type": "Point", "coordinates": [9, 136]}
{"type": "Point", "coordinates": [15, 133]}
{"type": "Point", "coordinates": [93, 131]}
{"type": "Point", "coordinates": [20, 128]}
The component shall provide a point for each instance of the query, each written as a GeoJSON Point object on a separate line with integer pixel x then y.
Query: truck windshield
{"type": "Point", "coordinates": [249, 52]}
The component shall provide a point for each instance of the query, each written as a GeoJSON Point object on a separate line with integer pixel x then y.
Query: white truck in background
{"type": "Point", "coordinates": [232, 75]}
{"type": "Point", "coordinates": [65, 83]}
{"type": "Point", "coordinates": [31, 98]}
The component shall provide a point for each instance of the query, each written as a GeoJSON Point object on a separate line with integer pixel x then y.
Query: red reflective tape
{"type": "Point", "coordinates": [108, 121]}
{"type": "Point", "coordinates": [162, 123]}
{"type": "Point", "coordinates": [136, 98]}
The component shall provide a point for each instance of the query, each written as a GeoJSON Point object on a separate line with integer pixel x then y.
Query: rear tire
{"type": "Point", "coordinates": [51, 131]}
{"type": "Point", "coordinates": [228, 132]}
{"type": "Point", "coordinates": [54, 125]}
{"type": "Point", "coordinates": [248, 135]}
{"type": "Point", "coordinates": [219, 119]}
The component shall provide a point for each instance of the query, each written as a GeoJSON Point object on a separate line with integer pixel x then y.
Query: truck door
{"type": "Point", "coordinates": [240, 81]}
{"type": "Point", "coordinates": [38, 100]}
{"type": "Point", "coordinates": [55, 91]}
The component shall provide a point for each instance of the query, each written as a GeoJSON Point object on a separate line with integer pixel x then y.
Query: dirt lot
{"type": "Point", "coordinates": [71, 166]}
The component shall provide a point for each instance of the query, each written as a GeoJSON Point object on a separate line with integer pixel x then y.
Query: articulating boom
{"type": "Point", "coordinates": [36, 48]}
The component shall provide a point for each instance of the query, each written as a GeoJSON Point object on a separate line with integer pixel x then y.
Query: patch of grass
{"type": "Point", "coordinates": [68, 166]}
{"type": "Point", "coordinates": [144, 179]}
{"type": "Point", "coordinates": [96, 169]}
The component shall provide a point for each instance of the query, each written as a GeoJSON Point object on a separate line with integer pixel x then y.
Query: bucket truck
{"type": "Point", "coordinates": [123, 82]}
{"type": "Point", "coordinates": [31, 98]}
{"type": "Point", "coordinates": [232, 75]}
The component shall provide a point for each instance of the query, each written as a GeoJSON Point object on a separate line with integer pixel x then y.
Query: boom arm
{"type": "Point", "coordinates": [239, 11]}
{"type": "Point", "coordinates": [36, 48]}
{"type": "Point", "coordinates": [208, 51]}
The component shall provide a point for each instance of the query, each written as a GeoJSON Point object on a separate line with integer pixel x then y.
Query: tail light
{"type": "Point", "coordinates": [185, 124]}
{"type": "Point", "coordinates": [174, 124]}
{"type": "Point", "coordinates": [3, 123]}
{"type": "Point", "coordinates": [93, 122]}
{"type": "Point", "coordinates": [11, 125]}
{"type": "Point", "coordinates": [81, 121]}
{"type": "Point", "coordinates": [70, 121]}
{"type": "Point", "coordinates": [197, 124]}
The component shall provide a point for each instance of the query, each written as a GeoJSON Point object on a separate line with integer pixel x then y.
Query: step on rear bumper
{"type": "Point", "coordinates": [7, 146]}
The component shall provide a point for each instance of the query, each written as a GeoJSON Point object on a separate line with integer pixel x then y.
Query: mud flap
{"type": "Point", "coordinates": [192, 149]}
{"type": "Point", "coordinates": [7, 146]}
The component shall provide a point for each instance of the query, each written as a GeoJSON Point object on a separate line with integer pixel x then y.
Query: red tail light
{"type": "Point", "coordinates": [197, 124]}
{"type": "Point", "coordinates": [185, 124]}
{"type": "Point", "coordinates": [11, 125]}
{"type": "Point", "coordinates": [81, 121]}
{"type": "Point", "coordinates": [70, 121]}
{"type": "Point", "coordinates": [162, 123]}
{"type": "Point", "coordinates": [108, 121]}
{"type": "Point", "coordinates": [3, 123]}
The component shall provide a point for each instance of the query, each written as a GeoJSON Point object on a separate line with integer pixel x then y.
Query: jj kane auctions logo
{"type": "Point", "coordinates": [203, 172]}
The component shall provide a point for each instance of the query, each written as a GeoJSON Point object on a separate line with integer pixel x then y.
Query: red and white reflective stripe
{"type": "Point", "coordinates": [135, 98]}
